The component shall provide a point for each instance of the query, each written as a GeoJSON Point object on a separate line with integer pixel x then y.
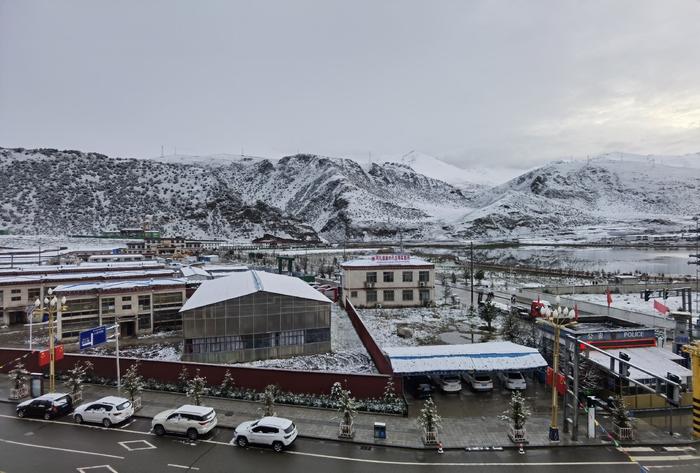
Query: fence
{"type": "Point", "coordinates": [380, 361]}
{"type": "Point", "coordinates": [310, 382]}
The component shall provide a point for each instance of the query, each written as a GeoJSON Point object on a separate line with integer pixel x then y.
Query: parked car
{"type": "Point", "coordinates": [449, 384]}
{"type": "Point", "coordinates": [512, 379]}
{"type": "Point", "coordinates": [420, 386]}
{"type": "Point", "coordinates": [274, 431]}
{"type": "Point", "coordinates": [48, 406]}
{"type": "Point", "coordinates": [107, 411]}
{"type": "Point", "coordinates": [479, 381]}
{"type": "Point", "coordinates": [189, 420]}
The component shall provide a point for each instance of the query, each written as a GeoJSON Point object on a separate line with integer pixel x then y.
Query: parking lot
{"type": "Point", "coordinates": [469, 403]}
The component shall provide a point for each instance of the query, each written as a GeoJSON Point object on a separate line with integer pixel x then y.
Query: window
{"type": "Point", "coordinates": [33, 294]}
{"type": "Point", "coordinates": [16, 295]}
{"type": "Point", "coordinates": [19, 291]}
{"type": "Point", "coordinates": [407, 295]}
{"type": "Point", "coordinates": [316, 335]}
{"type": "Point", "coordinates": [423, 276]}
{"type": "Point", "coordinates": [407, 276]}
{"type": "Point", "coordinates": [108, 305]}
{"type": "Point", "coordinates": [126, 306]}
{"type": "Point", "coordinates": [291, 337]}
{"type": "Point", "coordinates": [424, 295]}
{"type": "Point", "coordinates": [144, 302]}
{"type": "Point", "coordinates": [388, 276]}
{"type": "Point", "coordinates": [371, 277]}
{"type": "Point", "coordinates": [126, 298]}
{"type": "Point", "coordinates": [388, 296]}
{"type": "Point", "coordinates": [353, 294]}
{"type": "Point", "coordinates": [371, 296]}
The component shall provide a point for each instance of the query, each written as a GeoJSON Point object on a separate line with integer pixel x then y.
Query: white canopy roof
{"type": "Point", "coordinates": [653, 359]}
{"type": "Point", "coordinates": [248, 282]}
{"type": "Point", "coordinates": [490, 356]}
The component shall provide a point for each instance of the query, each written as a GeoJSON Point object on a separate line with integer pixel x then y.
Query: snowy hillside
{"type": "Point", "coordinates": [307, 196]}
{"type": "Point", "coordinates": [571, 197]}
{"type": "Point", "coordinates": [300, 196]}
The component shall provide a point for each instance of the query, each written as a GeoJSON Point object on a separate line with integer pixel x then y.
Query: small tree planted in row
{"type": "Point", "coordinates": [196, 388]}
{"type": "Point", "coordinates": [346, 409]}
{"type": "Point", "coordinates": [18, 380]}
{"type": "Point", "coordinates": [430, 421]}
{"type": "Point", "coordinates": [133, 384]}
{"type": "Point", "coordinates": [268, 399]}
{"type": "Point", "coordinates": [76, 379]}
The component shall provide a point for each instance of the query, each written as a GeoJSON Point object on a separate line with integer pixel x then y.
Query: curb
{"type": "Point", "coordinates": [466, 449]}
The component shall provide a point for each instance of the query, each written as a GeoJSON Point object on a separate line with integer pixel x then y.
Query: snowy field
{"type": "Point", "coordinates": [631, 302]}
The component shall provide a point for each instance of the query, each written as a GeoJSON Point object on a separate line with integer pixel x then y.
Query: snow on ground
{"type": "Point", "coordinates": [347, 355]}
{"type": "Point", "coordinates": [430, 326]}
{"type": "Point", "coordinates": [156, 351]}
{"type": "Point", "coordinates": [631, 302]}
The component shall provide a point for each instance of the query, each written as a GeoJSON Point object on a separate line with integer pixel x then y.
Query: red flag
{"type": "Point", "coordinates": [609, 297]}
{"type": "Point", "coordinates": [660, 307]}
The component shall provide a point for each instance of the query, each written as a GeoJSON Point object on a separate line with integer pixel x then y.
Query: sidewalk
{"type": "Point", "coordinates": [462, 432]}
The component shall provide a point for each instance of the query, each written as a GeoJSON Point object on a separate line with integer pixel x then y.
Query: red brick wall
{"type": "Point", "coordinates": [312, 382]}
{"type": "Point", "coordinates": [380, 361]}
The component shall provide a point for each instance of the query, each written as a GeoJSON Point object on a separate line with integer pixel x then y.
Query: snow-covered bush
{"type": "Point", "coordinates": [196, 388]}
{"type": "Point", "coordinates": [76, 377]}
{"type": "Point", "coordinates": [132, 381]}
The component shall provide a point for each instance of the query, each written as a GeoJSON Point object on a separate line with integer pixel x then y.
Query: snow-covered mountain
{"type": "Point", "coordinates": [569, 198]}
{"type": "Point", "coordinates": [308, 196]}
{"type": "Point", "coordinates": [300, 196]}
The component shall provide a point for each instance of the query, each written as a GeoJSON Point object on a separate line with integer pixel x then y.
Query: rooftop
{"type": "Point", "coordinates": [39, 278]}
{"type": "Point", "coordinates": [489, 356]}
{"type": "Point", "coordinates": [119, 285]}
{"type": "Point", "coordinates": [387, 260]}
{"type": "Point", "coordinates": [241, 284]}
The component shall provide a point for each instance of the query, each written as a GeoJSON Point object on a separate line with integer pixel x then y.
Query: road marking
{"type": "Point", "coordinates": [61, 449]}
{"type": "Point", "coordinates": [62, 422]}
{"type": "Point", "coordinates": [107, 467]}
{"type": "Point", "coordinates": [389, 462]}
{"type": "Point", "coordinates": [679, 449]}
{"type": "Point", "coordinates": [146, 445]}
{"type": "Point", "coordinates": [184, 467]}
{"type": "Point", "coordinates": [127, 424]}
{"type": "Point", "coordinates": [664, 458]}
{"type": "Point", "coordinates": [635, 449]}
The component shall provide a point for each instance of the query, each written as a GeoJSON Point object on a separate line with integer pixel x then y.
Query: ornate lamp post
{"type": "Point", "coordinates": [557, 318]}
{"type": "Point", "coordinates": [52, 307]}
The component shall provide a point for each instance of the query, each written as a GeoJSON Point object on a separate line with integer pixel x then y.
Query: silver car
{"type": "Point", "coordinates": [189, 420]}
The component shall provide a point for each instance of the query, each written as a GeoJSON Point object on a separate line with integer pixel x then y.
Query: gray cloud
{"type": "Point", "coordinates": [510, 82]}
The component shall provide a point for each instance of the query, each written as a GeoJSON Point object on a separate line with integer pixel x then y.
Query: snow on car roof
{"type": "Point", "coordinates": [490, 356]}
{"type": "Point", "coordinates": [191, 409]}
{"type": "Point", "coordinates": [114, 400]}
{"type": "Point", "coordinates": [276, 422]}
{"type": "Point", "coordinates": [248, 282]}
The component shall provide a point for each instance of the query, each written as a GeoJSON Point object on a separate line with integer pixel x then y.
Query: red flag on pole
{"type": "Point", "coordinates": [660, 307]}
{"type": "Point", "coordinates": [609, 297]}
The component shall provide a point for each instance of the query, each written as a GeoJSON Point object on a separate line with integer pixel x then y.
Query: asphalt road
{"type": "Point", "coordinates": [31, 446]}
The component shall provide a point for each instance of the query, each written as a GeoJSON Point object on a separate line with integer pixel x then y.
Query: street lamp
{"type": "Point", "coordinates": [557, 318]}
{"type": "Point", "coordinates": [51, 307]}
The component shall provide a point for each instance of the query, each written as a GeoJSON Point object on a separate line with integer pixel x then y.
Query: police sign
{"type": "Point", "coordinates": [92, 337]}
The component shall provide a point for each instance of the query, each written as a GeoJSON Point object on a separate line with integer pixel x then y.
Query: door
{"type": "Point", "coordinates": [256, 434]}
{"type": "Point", "coordinates": [37, 408]}
{"type": "Point", "coordinates": [176, 424]}
{"type": "Point", "coordinates": [89, 413]}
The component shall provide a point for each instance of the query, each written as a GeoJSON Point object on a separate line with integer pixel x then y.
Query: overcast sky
{"type": "Point", "coordinates": [505, 82]}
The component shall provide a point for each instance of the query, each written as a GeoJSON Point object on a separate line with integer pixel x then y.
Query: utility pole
{"type": "Point", "coordinates": [696, 262]}
{"type": "Point", "coordinates": [693, 350]}
{"type": "Point", "coordinates": [471, 271]}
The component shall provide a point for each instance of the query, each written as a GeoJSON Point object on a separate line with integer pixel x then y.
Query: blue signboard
{"type": "Point", "coordinates": [92, 337]}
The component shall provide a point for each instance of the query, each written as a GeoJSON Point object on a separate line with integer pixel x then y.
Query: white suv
{"type": "Point", "coordinates": [275, 431]}
{"type": "Point", "coordinates": [192, 421]}
{"type": "Point", "coordinates": [106, 411]}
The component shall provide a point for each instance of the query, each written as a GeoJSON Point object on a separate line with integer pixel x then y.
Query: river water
{"type": "Point", "coordinates": [625, 260]}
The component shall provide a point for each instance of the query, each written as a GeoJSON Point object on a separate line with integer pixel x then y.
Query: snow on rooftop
{"type": "Point", "coordinates": [120, 285]}
{"type": "Point", "coordinates": [45, 268]}
{"type": "Point", "coordinates": [387, 260]}
{"type": "Point", "coordinates": [190, 271]}
{"type": "Point", "coordinates": [490, 356]}
{"type": "Point", "coordinates": [38, 278]}
{"type": "Point", "coordinates": [241, 284]}
{"type": "Point", "coordinates": [653, 359]}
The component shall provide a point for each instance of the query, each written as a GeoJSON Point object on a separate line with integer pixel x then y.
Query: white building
{"type": "Point", "coordinates": [392, 280]}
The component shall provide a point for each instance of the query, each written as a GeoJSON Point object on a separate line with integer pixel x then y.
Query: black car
{"type": "Point", "coordinates": [48, 406]}
{"type": "Point", "coordinates": [420, 387]}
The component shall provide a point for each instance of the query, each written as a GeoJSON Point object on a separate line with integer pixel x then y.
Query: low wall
{"type": "Point", "coordinates": [380, 361]}
{"type": "Point", "coordinates": [615, 288]}
{"type": "Point", "coordinates": [312, 382]}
